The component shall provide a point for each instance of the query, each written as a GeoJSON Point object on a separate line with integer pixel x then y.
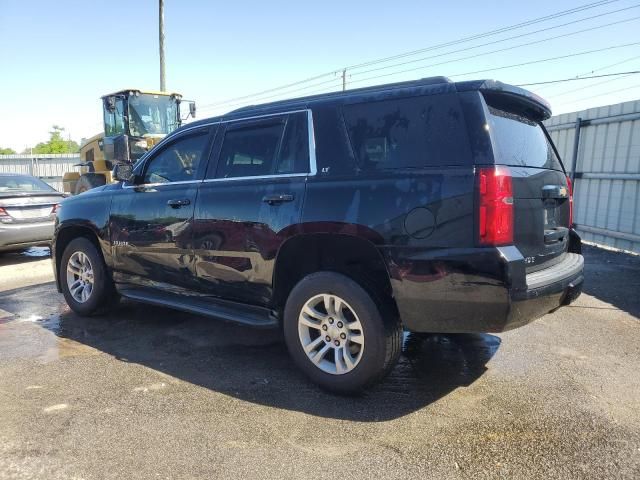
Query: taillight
{"type": "Point", "coordinates": [4, 216]}
{"type": "Point", "coordinates": [495, 206]}
{"type": "Point", "coordinates": [55, 209]}
{"type": "Point", "coordinates": [570, 185]}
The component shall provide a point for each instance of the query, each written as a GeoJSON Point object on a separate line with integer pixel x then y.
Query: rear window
{"type": "Point", "coordinates": [22, 184]}
{"type": "Point", "coordinates": [411, 132]}
{"type": "Point", "coordinates": [520, 141]}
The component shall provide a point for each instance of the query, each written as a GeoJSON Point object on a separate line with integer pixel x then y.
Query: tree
{"type": "Point", "coordinates": [56, 143]}
{"type": "Point", "coordinates": [7, 151]}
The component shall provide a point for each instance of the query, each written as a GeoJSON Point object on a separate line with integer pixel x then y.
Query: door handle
{"type": "Point", "coordinates": [277, 198]}
{"type": "Point", "coordinates": [179, 202]}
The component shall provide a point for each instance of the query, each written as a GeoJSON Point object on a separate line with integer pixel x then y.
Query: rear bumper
{"type": "Point", "coordinates": [478, 290]}
{"type": "Point", "coordinates": [547, 290]}
{"type": "Point", "coordinates": [23, 235]}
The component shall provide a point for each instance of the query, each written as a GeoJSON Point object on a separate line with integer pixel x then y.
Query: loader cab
{"type": "Point", "coordinates": [134, 121]}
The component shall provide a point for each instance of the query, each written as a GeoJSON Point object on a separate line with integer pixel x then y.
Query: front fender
{"type": "Point", "coordinates": [82, 215]}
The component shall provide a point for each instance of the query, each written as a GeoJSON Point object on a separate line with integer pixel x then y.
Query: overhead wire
{"type": "Point", "coordinates": [414, 52]}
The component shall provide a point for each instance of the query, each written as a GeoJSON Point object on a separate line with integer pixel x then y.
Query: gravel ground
{"type": "Point", "coordinates": [152, 393]}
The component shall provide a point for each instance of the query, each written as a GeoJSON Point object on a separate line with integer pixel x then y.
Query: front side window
{"type": "Point", "coordinates": [414, 132]}
{"type": "Point", "coordinates": [177, 162]}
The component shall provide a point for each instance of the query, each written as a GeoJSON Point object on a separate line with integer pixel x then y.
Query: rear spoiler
{"type": "Point", "coordinates": [512, 99]}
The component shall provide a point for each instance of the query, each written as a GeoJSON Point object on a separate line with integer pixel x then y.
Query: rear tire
{"type": "Point", "coordinates": [338, 335]}
{"type": "Point", "coordinates": [85, 283]}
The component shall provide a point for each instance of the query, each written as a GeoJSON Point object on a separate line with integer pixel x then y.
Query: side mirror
{"type": "Point", "coordinates": [123, 172]}
{"type": "Point", "coordinates": [192, 109]}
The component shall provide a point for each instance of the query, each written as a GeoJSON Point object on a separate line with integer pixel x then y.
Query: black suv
{"type": "Point", "coordinates": [344, 218]}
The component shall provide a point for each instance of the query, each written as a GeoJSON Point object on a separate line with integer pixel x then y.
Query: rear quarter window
{"type": "Point", "coordinates": [415, 132]}
{"type": "Point", "coordinates": [519, 141]}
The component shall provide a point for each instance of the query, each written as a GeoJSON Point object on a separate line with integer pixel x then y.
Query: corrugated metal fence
{"type": "Point", "coordinates": [601, 149]}
{"type": "Point", "coordinates": [49, 167]}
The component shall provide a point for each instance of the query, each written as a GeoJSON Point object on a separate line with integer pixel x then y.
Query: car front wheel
{"type": "Point", "coordinates": [85, 283]}
{"type": "Point", "coordinates": [338, 334]}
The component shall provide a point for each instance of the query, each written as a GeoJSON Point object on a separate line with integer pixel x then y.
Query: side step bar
{"type": "Point", "coordinates": [210, 307]}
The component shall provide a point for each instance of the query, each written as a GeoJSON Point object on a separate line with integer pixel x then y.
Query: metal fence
{"type": "Point", "coordinates": [601, 149]}
{"type": "Point", "coordinates": [49, 167]}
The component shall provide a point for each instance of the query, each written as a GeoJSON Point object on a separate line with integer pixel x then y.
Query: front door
{"type": "Point", "coordinates": [249, 203]}
{"type": "Point", "coordinates": [151, 219]}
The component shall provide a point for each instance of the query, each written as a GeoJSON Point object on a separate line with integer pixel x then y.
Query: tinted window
{"type": "Point", "coordinates": [408, 133]}
{"type": "Point", "coordinates": [294, 153]}
{"type": "Point", "coordinates": [178, 161]}
{"type": "Point", "coordinates": [520, 141]}
{"type": "Point", "coordinates": [249, 151]}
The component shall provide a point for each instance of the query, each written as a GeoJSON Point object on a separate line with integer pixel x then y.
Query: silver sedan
{"type": "Point", "coordinates": [27, 211]}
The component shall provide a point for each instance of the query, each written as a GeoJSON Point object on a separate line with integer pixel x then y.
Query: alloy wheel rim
{"type": "Point", "coordinates": [80, 277]}
{"type": "Point", "coordinates": [331, 334]}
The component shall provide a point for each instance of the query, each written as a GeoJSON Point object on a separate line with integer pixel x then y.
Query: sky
{"type": "Point", "coordinates": [58, 58]}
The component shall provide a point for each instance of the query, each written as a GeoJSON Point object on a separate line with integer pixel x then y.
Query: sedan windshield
{"type": "Point", "coordinates": [10, 184]}
{"type": "Point", "coordinates": [152, 115]}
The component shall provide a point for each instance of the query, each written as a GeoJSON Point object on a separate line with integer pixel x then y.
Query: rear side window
{"type": "Point", "coordinates": [411, 132]}
{"type": "Point", "coordinates": [520, 141]}
{"type": "Point", "coordinates": [273, 147]}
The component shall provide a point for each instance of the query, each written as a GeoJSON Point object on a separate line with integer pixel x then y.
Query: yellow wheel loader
{"type": "Point", "coordinates": [134, 121]}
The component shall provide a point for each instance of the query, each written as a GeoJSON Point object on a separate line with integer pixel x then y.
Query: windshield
{"type": "Point", "coordinates": [152, 115]}
{"type": "Point", "coordinates": [22, 184]}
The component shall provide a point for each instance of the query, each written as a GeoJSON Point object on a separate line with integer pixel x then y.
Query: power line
{"type": "Point", "coordinates": [599, 69]}
{"type": "Point", "coordinates": [414, 52]}
{"type": "Point", "coordinates": [572, 79]}
{"type": "Point", "coordinates": [601, 94]}
{"type": "Point", "coordinates": [505, 49]}
{"type": "Point", "coordinates": [336, 81]}
{"type": "Point", "coordinates": [206, 107]}
{"type": "Point", "coordinates": [573, 90]}
{"type": "Point", "coordinates": [228, 104]}
{"type": "Point", "coordinates": [515, 37]}
{"type": "Point", "coordinates": [505, 66]}
{"type": "Point", "coordinates": [552, 16]}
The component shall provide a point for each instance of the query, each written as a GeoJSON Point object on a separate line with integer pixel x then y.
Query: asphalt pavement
{"type": "Point", "coordinates": [149, 392]}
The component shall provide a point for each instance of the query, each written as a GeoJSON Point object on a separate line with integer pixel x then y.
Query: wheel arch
{"type": "Point", "coordinates": [353, 256]}
{"type": "Point", "coordinates": [66, 235]}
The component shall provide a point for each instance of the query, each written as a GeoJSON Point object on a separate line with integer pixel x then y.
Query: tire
{"type": "Point", "coordinates": [380, 333]}
{"type": "Point", "coordinates": [102, 294]}
{"type": "Point", "coordinates": [89, 181]}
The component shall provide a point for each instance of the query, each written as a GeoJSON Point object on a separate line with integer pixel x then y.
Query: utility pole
{"type": "Point", "coordinates": [344, 79]}
{"type": "Point", "coordinates": [161, 41]}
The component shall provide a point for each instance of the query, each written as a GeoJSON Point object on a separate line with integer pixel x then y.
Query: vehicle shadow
{"type": "Point", "coordinates": [612, 277]}
{"type": "Point", "coordinates": [254, 365]}
{"type": "Point", "coordinates": [32, 254]}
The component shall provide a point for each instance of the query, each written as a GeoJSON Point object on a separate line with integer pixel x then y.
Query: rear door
{"type": "Point", "coordinates": [151, 220]}
{"type": "Point", "coordinates": [248, 204]}
{"type": "Point", "coordinates": [540, 188]}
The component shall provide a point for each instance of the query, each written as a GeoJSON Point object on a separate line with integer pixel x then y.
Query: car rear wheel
{"type": "Point", "coordinates": [85, 283]}
{"type": "Point", "coordinates": [337, 334]}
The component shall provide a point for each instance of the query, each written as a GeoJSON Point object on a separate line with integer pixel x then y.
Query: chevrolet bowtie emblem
{"type": "Point", "coordinates": [563, 191]}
